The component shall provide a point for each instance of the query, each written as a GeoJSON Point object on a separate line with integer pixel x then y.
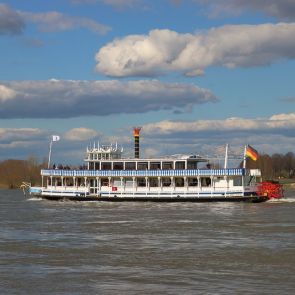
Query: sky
{"type": "Point", "coordinates": [194, 74]}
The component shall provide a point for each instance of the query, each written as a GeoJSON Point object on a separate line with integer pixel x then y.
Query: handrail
{"type": "Point", "coordinates": [144, 173]}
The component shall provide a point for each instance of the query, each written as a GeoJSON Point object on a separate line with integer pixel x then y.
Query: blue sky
{"type": "Point", "coordinates": [195, 74]}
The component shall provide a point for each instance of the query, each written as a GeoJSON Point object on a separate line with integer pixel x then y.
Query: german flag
{"type": "Point", "coordinates": [251, 153]}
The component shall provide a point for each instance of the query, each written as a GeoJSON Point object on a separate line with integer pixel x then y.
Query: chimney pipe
{"type": "Point", "coordinates": [136, 132]}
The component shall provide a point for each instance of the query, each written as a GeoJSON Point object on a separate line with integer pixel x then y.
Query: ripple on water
{"type": "Point", "coordinates": [145, 248]}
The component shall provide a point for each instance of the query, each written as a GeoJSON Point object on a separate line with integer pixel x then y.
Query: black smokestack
{"type": "Point", "coordinates": [136, 133]}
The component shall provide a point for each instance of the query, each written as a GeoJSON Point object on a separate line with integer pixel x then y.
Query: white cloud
{"type": "Point", "coordinates": [11, 22]}
{"type": "Point", "coordinates": [164, 50]}
{"type": "Point", "coordinates": [271, 135]}
{"type": "Point", "coordinates": [64, 99]}
{"type": "Point", "coordinates": [16, 135]}
{"type": "Point", "coordinates": [6, 93]}
{"type": "Point", "coordinates": [276, 122]}
{"type": "Point", "coordinates": [281, 9]}
{"type": "Point", "coordinates": [205, 137]}
{"type": "Point", "coordinates": [81, 134]}
{"type": "Point", "coordinates": [284, 118]}
{"type": "Point", "coordinates": [19, 143]}
{"type": "Point", "coordinates": [54, 21]}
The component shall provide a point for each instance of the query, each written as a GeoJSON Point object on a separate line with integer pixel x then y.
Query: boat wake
{"type": "Point", "coordinates": [34, 199]}
{"type": "Point", "coordinates": [283, 200]}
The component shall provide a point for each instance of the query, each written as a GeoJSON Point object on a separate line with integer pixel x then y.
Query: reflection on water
{"type": "Point", "coordinates": [146, 248]}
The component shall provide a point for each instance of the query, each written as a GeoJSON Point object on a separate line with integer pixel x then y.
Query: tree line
{"type": "Point", "coordinates": [14, 172]}
{"type": "Point", "coordinates": [274, 167]}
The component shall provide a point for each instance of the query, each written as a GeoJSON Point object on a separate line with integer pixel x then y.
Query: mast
{"type": "Point", "coordinates": [49, 156]}
{"type": "Point", "coordinates": [226, 156]}
{"type": "Point", "coordinates": [53, 138]}
{"type": "Point", "coordinates": [244, 159]}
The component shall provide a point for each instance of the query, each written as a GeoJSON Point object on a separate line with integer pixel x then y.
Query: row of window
{"type": "Point", "coordinates": [128, 182]}
{"type": "Point", "coordinates": [103, 156]}
{"type": "Point", "coordinates": [143, 182]}
{"type": "Point", "coordinates": [165, 165]}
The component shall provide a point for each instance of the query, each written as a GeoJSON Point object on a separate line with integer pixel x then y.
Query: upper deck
{"type": "Point", "coordinates": [166, 163]}
{"type": "Point", "coordinates": [107, 161]}
{"type": "Point", "coordinates": [109, 157]}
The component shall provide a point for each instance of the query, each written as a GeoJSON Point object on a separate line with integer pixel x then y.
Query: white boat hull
{"type": "Point", "coordinates": [116, 196]}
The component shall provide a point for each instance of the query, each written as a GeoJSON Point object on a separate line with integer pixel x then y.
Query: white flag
{"type": "Point", "coordinates": [55, 138]}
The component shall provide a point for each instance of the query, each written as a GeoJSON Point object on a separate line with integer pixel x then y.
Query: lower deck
{"type": "Point", "coordinates": [106, 193]}
{"type": "Point", "coordinates": [150, 186]}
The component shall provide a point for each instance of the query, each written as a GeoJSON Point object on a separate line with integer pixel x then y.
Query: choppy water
{"type": "Point", "coordinates": [146, 248]}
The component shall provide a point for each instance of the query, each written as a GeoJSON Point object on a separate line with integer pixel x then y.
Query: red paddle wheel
{"type": "Point", "coordinates": [270, 189]}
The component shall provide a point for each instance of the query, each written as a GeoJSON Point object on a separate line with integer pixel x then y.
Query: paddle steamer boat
{"type": "Point", "coordinates": [108, 176]}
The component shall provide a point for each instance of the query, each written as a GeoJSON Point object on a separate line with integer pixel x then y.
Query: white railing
{"type": "Point", "coordinates": [145, 173]}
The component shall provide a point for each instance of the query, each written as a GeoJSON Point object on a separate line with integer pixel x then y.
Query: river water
{"type": "Point", "coordinates": [49, 247]}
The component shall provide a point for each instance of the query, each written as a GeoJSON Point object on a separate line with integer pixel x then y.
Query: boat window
{"type": "Point", "coordinates": [167, 165]}
{"type": "Point", "coordinates": [105, 156]}
{"type": "Point", "coordinates": [193, 182]}
{"type": "Point", "coordinates": [155, 165]}
{"type": "Point", "coordinates": [118, 166]}
{"type": "Point", "coordinates": [130, 165]}
{"type": "Point", "coordinates": [106, 166]}
{"type": "Point", "coordinates": [79, 181]}
{"type": "Point", "coordinates": [92, 182]}
{"type": "Point", "coordinates": [141, 181]}
{"type": "Point", "coordinates": [116, 181]}
{"type": "Point", "coordinates": [68, 181]}
{"type": "Point", "coordinates": [238, 181]}
{"type": "Point", "coordinates": [166, 181]}
{"type": "Point", "coordinates": [180, 165]}
{"type": "Point", "coordinates": [97, 166]}
{"type": "Point", "coordinates": [154, 182]}
{"type": "Point", "coordinates": [128, 182]}
{"type": "Point", "coordinates": [104, 182]}
{"type": "Point", "coordinates": [142, 165]}
{"type": "Point", "coordinates": [206, 181]}
{"type": "Point", "coordinates": [179, 182]}
{"type": "Point", "coordinates": [192, 164]}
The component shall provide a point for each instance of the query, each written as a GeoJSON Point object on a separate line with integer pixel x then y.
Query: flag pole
{"type": "Point", "coordinates": [244, 159]}
{"type": "Point", "coordinates": [49, 156]}
{"type": "Point", "coordinates": [226, 156]}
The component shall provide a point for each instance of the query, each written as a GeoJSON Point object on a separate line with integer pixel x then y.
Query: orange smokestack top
{"type": "Point", "coordinates": [136, 132]}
